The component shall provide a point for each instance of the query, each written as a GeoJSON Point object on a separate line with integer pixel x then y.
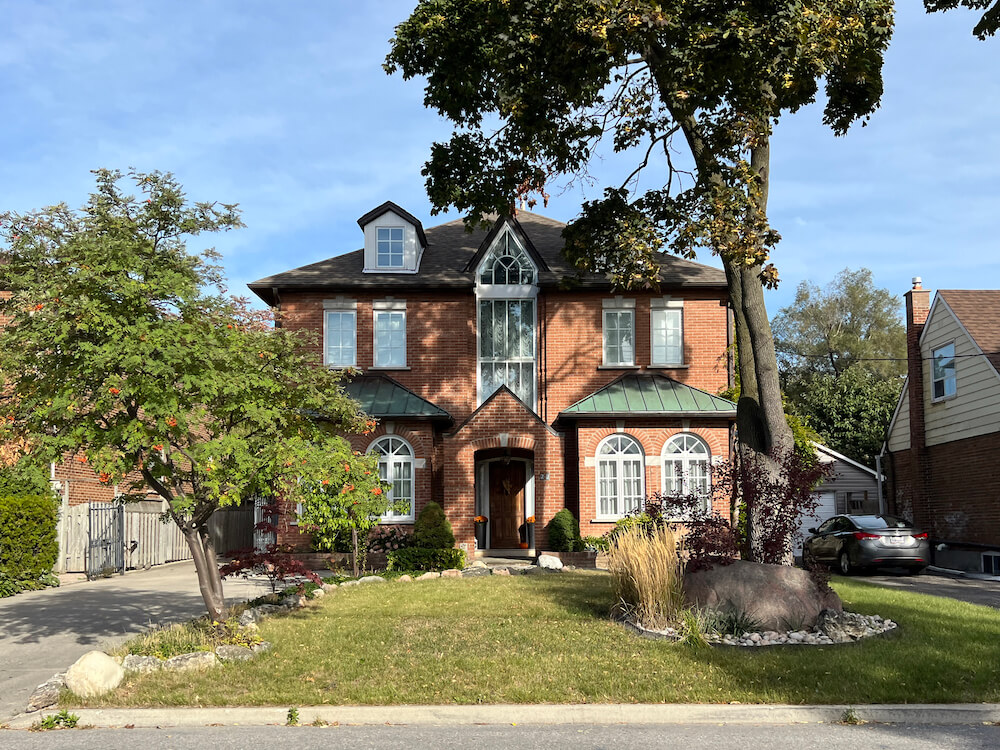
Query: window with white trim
{"type": "Point", "coordinates": [389, 247]}
{"type": "Point", "coordinates": [621, 476]}
{"type": "Point", "coordinates": [943, 381]}
{"type": "Point", "coordinates": [619, 337]}
{"type": "Point", "coordinates": [390, 338]}
{"type": "Point", "coordinates": [507, 347]}
{"type": "Point", "coordinates": [687, 470]}
{"type": "Point", "coordinates": [395, 465]}
{"type": "Point", "coordinates": [666, 336]}
{"type": "Point", "coordinates": [507, 263]}
{"type": "Point", "coordinates": [341, 338]}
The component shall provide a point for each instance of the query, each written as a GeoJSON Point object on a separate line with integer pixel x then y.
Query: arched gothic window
{"type": "Point", "coordinates": [621, 476]}
{"type": "Point", "coordinates": [686, 467]}
{"type": "Point", "coordinates": [396, 466]}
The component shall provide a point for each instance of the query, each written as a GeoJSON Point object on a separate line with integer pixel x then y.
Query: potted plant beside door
{"type": "Point", "coordinates": [481, 531]}
{"type": "Point", "coordinates": [528, 533]}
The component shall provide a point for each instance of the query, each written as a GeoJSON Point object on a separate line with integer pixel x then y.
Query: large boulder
{"type": "Point", "coordinates": [778, 597]}
{"type": "Point", "coordinates": [549, 562]}
{"type": "Point", "coordinates": [94, 673]}
{"type": "Point", "coordinates": [46, 694]}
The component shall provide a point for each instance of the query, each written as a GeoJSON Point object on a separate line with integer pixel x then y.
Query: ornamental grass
{"type": "Point", "coordinates": [647, 576]}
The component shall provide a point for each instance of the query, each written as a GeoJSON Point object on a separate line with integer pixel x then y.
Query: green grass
{"type": "Point", "coordinates": [542, 639]}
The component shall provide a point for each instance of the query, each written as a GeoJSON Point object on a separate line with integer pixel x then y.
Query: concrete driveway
{"type": "Point", "coordinates": [972, 590]}
{"type": "Point", "coordinates": [43, 632]}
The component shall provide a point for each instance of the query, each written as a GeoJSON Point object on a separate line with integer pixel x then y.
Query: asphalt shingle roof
{"type": "Point", "coordinates": [382, 397]}
{"type": "Point", "coordinates": [650, 394]}
{"type": "Point", "coordinates": [979, 311]}
{"type": "Point", "coordinates": [449, 249]}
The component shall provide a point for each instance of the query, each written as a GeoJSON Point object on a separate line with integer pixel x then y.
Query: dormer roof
{"type": "Point", "coordinates": [388, 207]}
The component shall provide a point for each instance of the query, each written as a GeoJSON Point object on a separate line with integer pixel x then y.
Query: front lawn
{"type": "Point", "coordinates": [547, 639]}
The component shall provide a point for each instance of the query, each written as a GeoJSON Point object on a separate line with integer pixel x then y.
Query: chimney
{"type": "Point", "coordinates": [917, 308]}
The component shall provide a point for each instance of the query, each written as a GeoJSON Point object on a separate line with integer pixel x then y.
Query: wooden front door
{"type": "Point", "coordinates": [506, 503]}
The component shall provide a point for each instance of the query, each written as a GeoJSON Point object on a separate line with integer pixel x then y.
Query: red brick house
{"type": "Point", "coordinates": [941, 458]}
{"type": "Point", "coordinates": [505, 386]}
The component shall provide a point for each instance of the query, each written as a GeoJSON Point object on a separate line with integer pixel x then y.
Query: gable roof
{"type": "Point", "coordinates": [649, 395]}
{"type": "Point", "coordinates": [400, 212]}
{"type": "Point", "coordinates": [382, 397]}
{"type": "Point", "coordinates": [448, 252]}
{"type": "Point", "coordinates": [518, 230]}
{"type": "Point", "coordinates": [978, 310]}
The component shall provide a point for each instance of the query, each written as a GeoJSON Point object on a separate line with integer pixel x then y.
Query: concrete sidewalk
{"type": "Point", "coordinates": [43, 632]}
{"type": "Point", "coordinates": [533, 715]}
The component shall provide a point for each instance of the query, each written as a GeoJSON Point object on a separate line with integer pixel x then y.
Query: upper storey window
{"type": "Point", "coordinates": [507, 263]}
{"type": "Point", "coordinates": [390, 247]}
{"type": "Point", "coordinates": [943, 380]}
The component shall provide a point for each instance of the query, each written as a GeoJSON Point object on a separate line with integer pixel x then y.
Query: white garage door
{"type": "Point", "coordinates": [827, 507]}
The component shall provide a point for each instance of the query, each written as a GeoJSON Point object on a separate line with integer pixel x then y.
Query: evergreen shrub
{"type": "Point", "coordinates": [432, 530]}
{"type": "Point", "coordinates": [28, 545]}
{"type": "Point", "coordinates": [564, 533]}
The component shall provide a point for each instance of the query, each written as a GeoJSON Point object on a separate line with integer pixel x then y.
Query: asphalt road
{"type": "Point", "coordinates": [972, 590]}
{"type": "Point", "coordinates": [568, 737]}
{"type": "Point", "coordinates": [43, 632]}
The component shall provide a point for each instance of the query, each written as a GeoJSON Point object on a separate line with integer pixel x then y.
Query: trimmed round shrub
{"type": "Point", "coordinates": [564, 532]}
{"type": "Point", "coordinates": [28, 545]}
{"type": "Point", "coordinates": [419, 558]}
{"type": "Point", "coordinates": [432, 530]}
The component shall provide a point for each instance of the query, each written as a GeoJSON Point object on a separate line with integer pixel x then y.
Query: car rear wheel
{"type": "Point", "coordinates": [845, 564]}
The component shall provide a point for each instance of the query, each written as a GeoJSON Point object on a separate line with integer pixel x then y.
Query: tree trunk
{"type": "Point", "coordinates": [354, 541]}
{"type": "Point", "coordinates": [209, 581]}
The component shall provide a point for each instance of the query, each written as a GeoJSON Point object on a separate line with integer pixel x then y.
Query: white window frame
{"type": "Point", "coordinates": [618, 307]}
{"type": "Point", "coordinates": [947, 378]}
{"type": "Point", "coordinates": [665, 310]}
{"type": "Point", "coordinates": [378, 246]}
{"type": "Point", "coordinates": [388, 308]}
{"type": "Point", "coordinates": [339, 307]}
{"type": "Point", "coordinates": [390, 462]}
{"type": "Point", "coordinates": [994, 558]}
{"type": "Point", "coordinates": [671, 485]}
{"type": "Point", "coordinates": [618, 460]}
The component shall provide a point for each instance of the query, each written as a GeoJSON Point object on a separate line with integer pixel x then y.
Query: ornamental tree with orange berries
{"type": "Point", "coordinates": [684, 93]}
{"type": "Point", "coordinates": [123, 346]}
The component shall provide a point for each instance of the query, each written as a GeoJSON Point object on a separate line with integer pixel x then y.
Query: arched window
{"type": "Point", "coordinates": [396, 466]}
{"type": "Point", "coordinates": [507, 263]}
{"type": "Point", "coordinates": [686, 462]}
{"type": "Point", "coordinates": [621, 485]}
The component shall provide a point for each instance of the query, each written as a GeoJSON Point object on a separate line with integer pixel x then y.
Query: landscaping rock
{"type": "Point", "coordinates": [94, 673]}
{"type": "Point", "coordinates": [451, 573]}
{"type": "Point", "coordinates": [293, 601]}
{"type": "Point", "coordinates": [777, 597]}
{"type": "Point", "coordinates": [261, 647]}
{"type": "Point", "coordinates": [842, 627]}
{"type": "Point", "coordinates": [350, 583]}
{"type": "Point", "coordinates": [258, 613]}
{"type": "Point", "coordinates": [329, 587]}
{"type": "Point", "coordinates": [428, 575]}
{"type": "Point", "coordinates": [317, 593]}
{"type": "Point", "coordinates": [478, 564]}
{"type": "Point", "coordinates": [404, 579]}
{"type": "Point", "coordinates": [475, 572]}
{"type": "Point", "coordinates": [194, 660]}
{"type": "Point", "coordinates": [232, 652]}
{"type": "Point", "coordinates": [46, 694]}
{"type": "Point", "coordinates": [549, 562]}
{"type": "Point", "coordinates": [520, 570]}
{"type": "Point", "coordinates": [371, 579]}
{"type": "Point", "coordinates": [501, 572]}
{"type": "Point", "coordinates": [141, 664]}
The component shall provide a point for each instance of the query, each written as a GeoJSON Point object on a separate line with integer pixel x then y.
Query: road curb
{"type": "Point", "coordinates": [577, 714]}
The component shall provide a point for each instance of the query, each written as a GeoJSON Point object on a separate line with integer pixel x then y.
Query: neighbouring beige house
{"type": "Point", "coordinates": [941, 458]}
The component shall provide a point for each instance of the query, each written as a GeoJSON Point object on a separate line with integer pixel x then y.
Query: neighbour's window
{"type": "Point", "coordinates": [667, 336]}
{"type": "Point", "coordinates": [620, 476]}
{"type": "Point", "coordinates": [390, 247]}
{"type": "Point", "coordinates": [619, 337]}
{"type": "Point", "coordinates": [390, 338]}
{"type": "Point", "coordinates": [686, 461]}
{"type": "Point", "coordinates": [341, 338]}
{"type": "Point", "coordinates": [396, 466]}
{"type": "Point", "coordinates": [943, 382]}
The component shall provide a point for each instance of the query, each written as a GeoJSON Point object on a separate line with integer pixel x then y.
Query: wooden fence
{"type": "Point", "coordinates": [148, 540]}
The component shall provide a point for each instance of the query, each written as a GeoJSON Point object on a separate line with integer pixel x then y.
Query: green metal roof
{"type": "Point", "coordinates": [650, 394]}
{"type": "Point", "coordinates": [383, 397]}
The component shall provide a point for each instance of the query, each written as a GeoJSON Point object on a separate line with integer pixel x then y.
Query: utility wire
{"type": "Point", "coordinates": [886, 359]}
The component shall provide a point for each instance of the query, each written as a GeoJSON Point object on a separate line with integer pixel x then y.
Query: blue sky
{"type": "Point", "coordinates": [284, 109]}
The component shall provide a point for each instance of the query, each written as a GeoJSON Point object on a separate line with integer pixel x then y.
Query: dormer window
{"type": "Point", "coordinates": [507, 263]}
{"type": "Point", "coordinates": [390, 247]}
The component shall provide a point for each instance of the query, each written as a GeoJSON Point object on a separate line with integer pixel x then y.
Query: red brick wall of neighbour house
{"type": "Point", "coordinates": [420, 435]}
{"type": "Point", "coordinates": [652, 435]}
{"type": "Point", "coordinates": [85, 485]}
{"type": "Point", "coordinates": [504, 415]}
{"type": "Point", "coordinates": [574, 339]}
{"type": "Point", "coordinates": [957, 511]}
{"type": "Point", "coordinates": [440, 341]}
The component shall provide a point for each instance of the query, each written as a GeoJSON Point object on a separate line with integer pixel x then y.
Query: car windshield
{"type": "Point", "coordinates": [881, 522]}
